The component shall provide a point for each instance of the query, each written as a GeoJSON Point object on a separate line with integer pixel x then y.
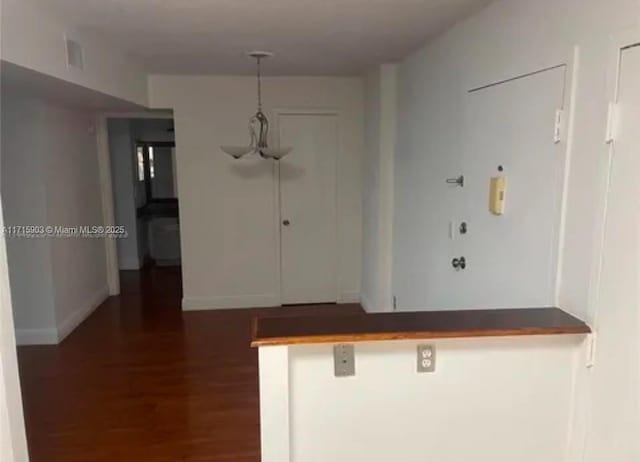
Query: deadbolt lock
{"type": "Point", "coordinates": [459, 263]}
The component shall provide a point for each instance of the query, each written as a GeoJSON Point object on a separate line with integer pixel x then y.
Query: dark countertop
{"type": "Point", "coordinates": [292, 330]}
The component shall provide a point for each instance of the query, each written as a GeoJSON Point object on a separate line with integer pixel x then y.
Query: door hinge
{"type": "Point", "coordinates": [612, 119]}
{"type": "Point", "coordinates": [557, 128]}
{"type": "Point", "coordinates": [591, 350]}
{"type": "Point", "coordinates": [395, 303]}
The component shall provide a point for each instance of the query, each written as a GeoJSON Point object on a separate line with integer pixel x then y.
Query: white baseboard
{"type": "Point", "coordinates": [37, 336]}
{"type": "Point", "coordinates": [223, 303]}
{"type": "Point", "coordinates": [248, 301]}
{"type": "Point", "coordinates": [86, 309]}
{"type": "Point", "coordinates": [53, 335]}
{"type": "Point", "coordinates": [349, 297]}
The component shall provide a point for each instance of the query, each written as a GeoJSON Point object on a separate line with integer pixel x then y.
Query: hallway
{"type": "Point", "coordinates": [142, 381]}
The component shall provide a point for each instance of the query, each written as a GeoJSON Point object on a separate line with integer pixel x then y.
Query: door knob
{"type": "Point", "coordinates": [286, 222]}
{"type": "Point", "coordinates": [459, 263]}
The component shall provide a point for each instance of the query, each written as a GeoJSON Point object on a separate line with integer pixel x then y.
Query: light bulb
{"type": "Point", "coordinates": [275, 153]}
{"type": "Point", "coordinates": [237, 151]}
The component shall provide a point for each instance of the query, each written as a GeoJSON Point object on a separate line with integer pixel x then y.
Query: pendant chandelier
{"type": "Point", "coordinates": [258, 126]}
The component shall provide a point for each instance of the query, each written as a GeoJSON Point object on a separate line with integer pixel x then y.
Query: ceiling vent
{"type": "Point", "coordinates": [75, 54]}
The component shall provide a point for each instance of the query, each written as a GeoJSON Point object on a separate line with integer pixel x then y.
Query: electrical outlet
{"type": "Point", "coordinates": [344, 361]}
{"type": "Point", "coordinates": [426, 358]}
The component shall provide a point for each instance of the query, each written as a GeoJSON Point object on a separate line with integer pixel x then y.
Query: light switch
{"type": "Point", "coordinates": [344, 361]}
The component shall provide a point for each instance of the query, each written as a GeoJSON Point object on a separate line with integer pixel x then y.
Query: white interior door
{"type": "Point", "coordinates": [616, 414]}
{"type": "Point", "coordinates": [308, 208]}
{"type": "Point", "coordinates": [511, 260]}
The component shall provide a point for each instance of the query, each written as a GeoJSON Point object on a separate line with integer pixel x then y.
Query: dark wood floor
{"type": "Point", "coordinates": [141, 381]}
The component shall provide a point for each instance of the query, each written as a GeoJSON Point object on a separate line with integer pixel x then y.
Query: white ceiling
{"type": "Point", "coordinates": [310, 37]}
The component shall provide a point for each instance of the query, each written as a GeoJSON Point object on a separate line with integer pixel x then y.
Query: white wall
{"type": "Point", "coordinates": [489, 400]}
{"type": "Point", "coordinates": [35, 39]}
{"type": "Point", "coordinates": [125, 175]}
{"type": "Point", "coordinates": [227, 214]}
{"type": "Point", "coordinates": [614, 380]}
{"type": "Point", "coordinates": [50, 177]}
{"type": "Point", "coordinates": [13, 441]}
{"type": "Point", "coordinates": [78, 265]}
{"type": "Point", "coordinates": [377, 211]}
{"type": "Point", "coordinates": [24, 188]}
{"type": "Point", "coordinates": [506, 39]}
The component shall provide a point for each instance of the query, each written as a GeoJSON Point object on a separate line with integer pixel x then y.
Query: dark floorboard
{"type": "Point", "coordinates": [142, 381]}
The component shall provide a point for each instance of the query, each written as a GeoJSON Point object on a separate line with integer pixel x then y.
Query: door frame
{"type": "Point", "coordinates": [580, 425]}
{"type": "Point", "coordinates": [565, 149]}
{"type": "Point", "coordinates": [619, 42]}
{"type": "Point", "coordinates": [108, 202]}
{"type": "Point", "coordinates": [275, 139]}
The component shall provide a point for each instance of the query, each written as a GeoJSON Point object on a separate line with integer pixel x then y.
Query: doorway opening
{"type": "Point", "coordinates": [145, 191]}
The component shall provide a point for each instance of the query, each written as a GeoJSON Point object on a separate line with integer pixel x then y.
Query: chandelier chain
{"type": "Point", "coordinates": [259, 85]}
{"type": "Point", "coordinates": [258, 124]}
